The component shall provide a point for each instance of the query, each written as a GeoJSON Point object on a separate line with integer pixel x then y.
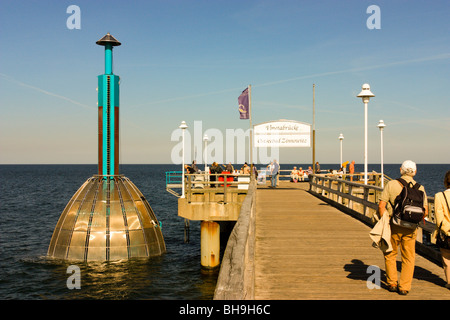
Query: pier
{"type": "Point", "coordinates": [311, 241]}
{"type": "Point", "coordinates": [211, 199]}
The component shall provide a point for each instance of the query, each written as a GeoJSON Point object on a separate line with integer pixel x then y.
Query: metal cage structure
{"type": "Point", "coordinates": [108, 218]}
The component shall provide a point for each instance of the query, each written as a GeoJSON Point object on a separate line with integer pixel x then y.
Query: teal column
{"type": "Point", "coordinates": [108, 99]}
{"type": "Point", "coordinates": [108, 58]}
{"type": "Point", "coordinates": [108, 103]}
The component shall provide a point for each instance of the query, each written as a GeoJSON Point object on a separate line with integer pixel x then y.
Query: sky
{"type": "Point", "coordinates": [190, 60]}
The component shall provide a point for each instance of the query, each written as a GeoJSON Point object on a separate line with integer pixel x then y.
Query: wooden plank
{"type": "Point", "coordinates": [307, 249]}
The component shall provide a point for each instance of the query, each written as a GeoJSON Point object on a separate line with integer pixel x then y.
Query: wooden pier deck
{"type": "Point", "coordinates": [306, 249]}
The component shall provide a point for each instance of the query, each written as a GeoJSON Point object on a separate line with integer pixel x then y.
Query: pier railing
{"type": "Point", "coordinates": [207, 183]}
{"type": "Point", "coordinates": [374, 178]}
{"type": "Point", "coordinates": [211, 197]}
{"type": "Point", "coordinates": [361, 201]}
{"type": "Point", "coordinates": [236, 279]}
{"type": "Point", "coordinates": [174, 180]}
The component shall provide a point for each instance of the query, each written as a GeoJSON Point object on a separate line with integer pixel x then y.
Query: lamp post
{"type": "Point", "coordinates": [183, 126]}
{"type": "Point", "coordinates": [205, 139]}
{"type": "Point", "coordinates": [341, 137]}
{"type": "Point", "coordinates": [365, 94]}
{"type": "Point", "coordinates": [381, 126]}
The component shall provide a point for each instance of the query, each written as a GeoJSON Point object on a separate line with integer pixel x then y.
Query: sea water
{"type": "Point", "coordinates": [32, 197]}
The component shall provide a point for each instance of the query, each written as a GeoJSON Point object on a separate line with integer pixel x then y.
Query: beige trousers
{"type": "Point", "coordinates": [405, 239]}
{"type": "Point", "coordinates": [446, 263]}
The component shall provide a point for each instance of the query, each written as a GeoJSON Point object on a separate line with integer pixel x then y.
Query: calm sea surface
{"type": "Point", "coordinates": [32, 197]}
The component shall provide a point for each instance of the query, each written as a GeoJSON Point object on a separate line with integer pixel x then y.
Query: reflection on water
{"type": "Point", "coordinates": [135, 279]}
{"type": "Point", "coordinates": [32, 198]}
{"type": "Point", "coordinates": [114, 280]}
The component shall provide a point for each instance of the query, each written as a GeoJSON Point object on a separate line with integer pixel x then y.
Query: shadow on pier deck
{"type": "Point", "coordinates": [303, 248]}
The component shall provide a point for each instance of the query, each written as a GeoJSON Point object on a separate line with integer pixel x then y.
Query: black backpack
{"type": "Point", "coordinates": [408, 209]}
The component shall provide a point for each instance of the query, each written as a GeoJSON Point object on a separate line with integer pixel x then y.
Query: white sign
{"type": "Point", "coordinates": [282, 133]}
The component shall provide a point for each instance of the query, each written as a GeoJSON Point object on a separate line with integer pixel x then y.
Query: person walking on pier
{"type": "Point", "coordinates": [402, 238]}
{"type": "Point", "coordinates": [275, 167]}
{"type": "Point", "coordinates": [442, 210]}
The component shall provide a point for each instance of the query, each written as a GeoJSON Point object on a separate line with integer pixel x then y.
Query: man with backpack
{"type": "Point", "coordinates": [408, 205]}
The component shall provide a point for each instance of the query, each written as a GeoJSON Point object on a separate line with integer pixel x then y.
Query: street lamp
{"type": "Point", "coordinates": [341, 137]}
{"type": "Point", "coordinates": [183, 126]}
{"type": "Point", "coordinates": [365, 94]}
{"type": "Point", "coordinates": [205, 139]}
{"type": "Point", "coordinates": [381, 126]}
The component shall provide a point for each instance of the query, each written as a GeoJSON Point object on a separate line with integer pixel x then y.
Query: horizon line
{"type": "Point", "coordinates": [179, 164]}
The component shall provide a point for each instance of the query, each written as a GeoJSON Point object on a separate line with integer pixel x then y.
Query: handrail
{"type": "Point", "coordinates": [347, 190]}
{"type": "Point", "coordinates": [207, 183]}
{"type": "Point", "coordinates": [362, 200]}
{"type": "Point", "coordinates": [236, 280]}
{"type": "Point", "coordinates": [170, 175]}
{"type": "Point", "coordinates": [374, 177]}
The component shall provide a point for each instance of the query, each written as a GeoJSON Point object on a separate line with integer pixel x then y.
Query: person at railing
{"type": "Point", "coordinates": [189, 169]}
{"type": "Point", "coordinates": [309, 171]}
{"type": "Point", "coordinates": [194, 166]}
{"type": "Point", "coordinates": [294, 175]}
{"type": "Point", "coordinates": [401, 237]}
{"type": "Point", "coordinates": [215, 168]}
{"type": "Point", "coordinates": [245, 169]}
{"type": "Point", "coordinates": [442, 212]}
{"type": "Point", "coordinates": [331, 173]}
{"type": "Point", "coordinates": [334, 173]}
{"type": "Point", "coordinates": [229, 167]}
{"type": "Point", "coordinates": [351, 169]}
{"type": "Point", "coordinates": [255, 171]}
{"type": "Point", "coordinates": [317, 167]}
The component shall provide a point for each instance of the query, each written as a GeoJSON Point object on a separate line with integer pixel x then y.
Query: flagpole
{"type": "Point", "coordinates": [251, 130]}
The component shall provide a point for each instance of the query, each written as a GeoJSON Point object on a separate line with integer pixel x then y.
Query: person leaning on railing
{"type": "Point", "coordinates": [245, 169]}
{"type": "Point", "coordinates": [189, 169]}
{"type": "Point", "coordinates": [214, 169]}
{"type": "Point", "coordinates": [442, 212]}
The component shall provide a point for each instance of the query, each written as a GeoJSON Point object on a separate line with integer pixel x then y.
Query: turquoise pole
{"type": "Point", "coordinates": [108, 58]}
{"type": "Point", "coordinates": [108, 103]}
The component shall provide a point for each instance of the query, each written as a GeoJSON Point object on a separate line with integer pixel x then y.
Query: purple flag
{"type": "Point", "coordinates": [243, 105]}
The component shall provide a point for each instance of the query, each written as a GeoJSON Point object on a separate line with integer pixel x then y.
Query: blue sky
{"type": "Point", "coordinates": [190, 60]}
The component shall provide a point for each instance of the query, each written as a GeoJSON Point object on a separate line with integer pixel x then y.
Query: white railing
{"type": "Point", "coordinates": [196, 183]}
{"type": "Point", "coordinates": [361, 201]}
{"type": "Point", "coordinates": [355, 196]}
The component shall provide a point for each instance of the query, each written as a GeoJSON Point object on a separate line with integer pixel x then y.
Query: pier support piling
{"type": "Point", "coordinates": [210, 244]}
